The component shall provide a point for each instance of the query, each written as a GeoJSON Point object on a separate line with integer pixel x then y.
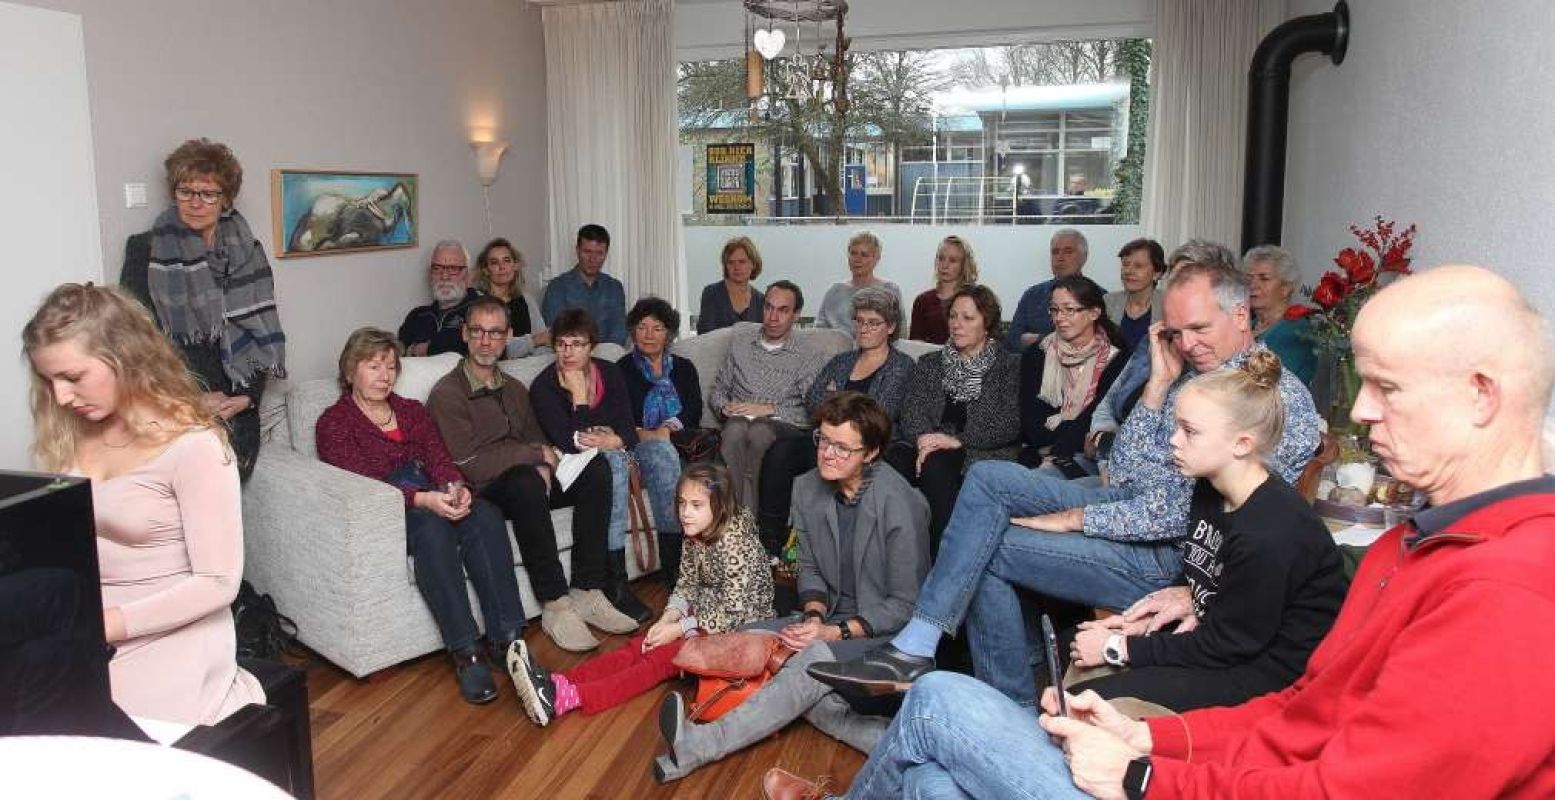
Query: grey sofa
{"type": "Point", "coordinates": [329, 545]}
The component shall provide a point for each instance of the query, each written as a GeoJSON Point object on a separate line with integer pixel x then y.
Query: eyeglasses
{"type": "Point", "coordinates": [206, 196]}
{"type": "Point", "coordinates": [1065, 311]}
{"type": "Point", "coordinates": [483, 334]}
{"type": "Point", "coordinates": [573, 344]}
{"type": "Point", "coordinates": [825, 445]}
{"type": "Point", "coordinates": [447, 269]}
{"type": "Point", "coordinates": [868, 324]}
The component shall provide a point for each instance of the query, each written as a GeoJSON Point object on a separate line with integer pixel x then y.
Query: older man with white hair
{"type": "Point", "coordinates": [1434, 679]}
{"type": "Point", "coordinates": [1067, 252]}
{"type": "Point", "coordinates": [438, 327]}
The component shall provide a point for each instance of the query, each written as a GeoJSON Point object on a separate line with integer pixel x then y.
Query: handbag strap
{"type": "Point", "coordinates": [640, 530]}
{"type": "Point", "coordinates": [695, 715]}
{"type": "Point", "coordinates": [778, 657]}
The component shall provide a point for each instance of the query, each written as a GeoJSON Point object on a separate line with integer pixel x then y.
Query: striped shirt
{"type": "Point", "coordinates": [754, 374]}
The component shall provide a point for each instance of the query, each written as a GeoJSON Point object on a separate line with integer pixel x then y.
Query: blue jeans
{"type": "Point", "coordinates": [1068, 566]}
{"type": "Point", "coordinates": [956, 737]}
{"type": "Point", "coordinates": [444, 552]}
{"type": "Point", "coordinates": [659, 464]}
{"type": "Point", "coordinates": [993, 492]}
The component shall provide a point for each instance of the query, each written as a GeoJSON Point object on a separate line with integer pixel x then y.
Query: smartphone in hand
{"type": "Point", "coordinates": [1055, 670]}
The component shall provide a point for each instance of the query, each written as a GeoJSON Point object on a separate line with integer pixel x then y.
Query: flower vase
{"type": "Point", "coordinates": [1345, 385]}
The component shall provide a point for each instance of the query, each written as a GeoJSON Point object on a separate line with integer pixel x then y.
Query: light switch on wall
{"type": "Point", "coordinates": [134, 195]}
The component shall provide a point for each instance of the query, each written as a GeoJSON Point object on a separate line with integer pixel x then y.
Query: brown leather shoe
{"type": "Point", "coordinates": [779, 784]}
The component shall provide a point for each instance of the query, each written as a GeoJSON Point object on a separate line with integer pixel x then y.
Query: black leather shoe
{"type": "Point", "coordinates": [475, 683]}
{"type": "Point", "coordinates": [497, 648]}
{"type": "Point", "coordinates": [883, 670]}
{"type": "Point", "coordinates": [620, 593]}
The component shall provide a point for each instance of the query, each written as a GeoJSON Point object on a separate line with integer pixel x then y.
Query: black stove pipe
{"type": "Point", "coordinates": [1268, 111]}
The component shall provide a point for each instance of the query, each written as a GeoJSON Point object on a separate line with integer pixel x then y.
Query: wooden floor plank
{"type": "Point", "coordinates": [407, 734]}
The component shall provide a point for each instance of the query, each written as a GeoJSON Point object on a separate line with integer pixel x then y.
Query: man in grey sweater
{"type": "Point", "coordinates": [759, 392]}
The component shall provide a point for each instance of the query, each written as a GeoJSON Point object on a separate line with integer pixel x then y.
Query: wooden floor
{"type": "Point", "coordinates": [405, 733]}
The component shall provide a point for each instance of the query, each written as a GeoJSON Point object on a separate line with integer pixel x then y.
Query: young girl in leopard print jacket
{"type": "Point", "coordinates": [725, 581]}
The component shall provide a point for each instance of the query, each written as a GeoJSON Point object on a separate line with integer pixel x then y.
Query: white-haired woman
{"type": "Point", "coordinates": [1272, 279]}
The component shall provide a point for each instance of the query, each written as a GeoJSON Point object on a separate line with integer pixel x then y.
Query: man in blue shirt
{"type": "Point", "coordinates": [1067, 253]}
{"type": "Point", "coordinates": [586, 286]}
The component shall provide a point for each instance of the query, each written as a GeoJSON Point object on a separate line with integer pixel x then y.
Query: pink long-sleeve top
{"type": "Point", "coordinates": [170, 552]}
{"type": "Point", "coordinates": [348, 439]}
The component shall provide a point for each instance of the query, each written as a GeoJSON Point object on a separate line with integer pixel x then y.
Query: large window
{"type": "Point", "coordinates": [1000, 135]}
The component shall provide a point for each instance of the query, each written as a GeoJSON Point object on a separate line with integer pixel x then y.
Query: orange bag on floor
{"type": "Point", "coordinates": [729, 668]}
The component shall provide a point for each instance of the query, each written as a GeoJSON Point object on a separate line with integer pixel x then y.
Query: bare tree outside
{"type": "Point", "coordinates": [1046, 64]}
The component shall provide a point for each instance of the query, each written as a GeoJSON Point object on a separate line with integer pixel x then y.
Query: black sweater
{"type": "Point", "coordinates": [559, 418]}
{"type": "Point", "coordinates": [1069, 437]}
{"type": "Point", "coordinates": [683, 374]}
{"type": "Point", "coordinates": [1267, 582]}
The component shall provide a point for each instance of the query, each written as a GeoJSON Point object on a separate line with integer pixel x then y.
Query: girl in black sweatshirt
{"type": "Point", "coordinates": [1263, 580]}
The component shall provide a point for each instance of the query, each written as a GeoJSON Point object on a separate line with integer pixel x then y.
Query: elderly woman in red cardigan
{"type": "Point", "coordinates": [449, 533]}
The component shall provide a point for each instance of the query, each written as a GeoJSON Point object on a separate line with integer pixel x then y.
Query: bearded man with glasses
{"type": "Point", "coordinates": [438, 327]}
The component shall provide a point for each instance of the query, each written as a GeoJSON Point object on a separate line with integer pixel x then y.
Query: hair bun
{"type": "Point", "coordinates": [1263, 368]}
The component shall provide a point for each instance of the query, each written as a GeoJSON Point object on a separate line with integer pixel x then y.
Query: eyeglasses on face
{"type": "Point", "coordinates": [484, 334]}
{"type": "Point", "coordinates": [447, 269]}
{"type": "Point", "coordinates": [573, 344]}
{"type": "Point", "coordinates": [205, 196]}
{"type": "Point", "coordinates": [836, 448]}
{"type": "Point", "coordinates": [865, 324]}
{"type": "Point", "coordinates": [1065, 311]}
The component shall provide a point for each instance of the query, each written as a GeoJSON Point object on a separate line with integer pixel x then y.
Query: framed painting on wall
{"type": "Point", "coordinates": [316, 212]}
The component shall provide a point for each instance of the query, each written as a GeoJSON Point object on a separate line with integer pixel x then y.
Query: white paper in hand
{"type": "Point", "coordinates": [571, 466]}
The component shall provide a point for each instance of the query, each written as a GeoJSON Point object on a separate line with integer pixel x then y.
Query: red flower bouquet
{"type": "Point", "coordinates": [1339, 294]}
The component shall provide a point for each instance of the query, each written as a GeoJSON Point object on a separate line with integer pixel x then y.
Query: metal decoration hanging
{"type": "Point", "coordinates": [808, 74]}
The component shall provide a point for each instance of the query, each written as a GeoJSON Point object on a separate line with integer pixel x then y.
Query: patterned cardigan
{"type": "Point", "coordinates": [992, 420]}
{"type": "Point", "coordinates": [888, 384]}
{"type": "Point", "coordinates": [346, 439]}
{"type": "Point", "coordinates": [728, 583]}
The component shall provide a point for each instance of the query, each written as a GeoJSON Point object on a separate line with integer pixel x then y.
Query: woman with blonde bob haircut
{"type": "Point", "coordinates": [735, 298]}
{"type": "Point", "coordinates": [955, 268]}
{"type": "Point", "coordinates": [113, 402]}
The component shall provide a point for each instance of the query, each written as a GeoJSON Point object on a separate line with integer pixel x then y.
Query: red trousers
{"type": "Point", "coordinates": [611, 679]}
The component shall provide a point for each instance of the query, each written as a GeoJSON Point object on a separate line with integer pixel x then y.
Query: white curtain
{"type": "Point", "coordinates": [612, 138]}
{"type": "Point", "coordinates": [1198, 116]}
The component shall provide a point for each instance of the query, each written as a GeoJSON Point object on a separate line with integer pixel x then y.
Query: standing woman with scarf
{"type": "Point", "coordinates": [960, 407]}
{"type": "Point", "coordinates": [208, 285]}
{"type": "Point", "coordinates": [1065, 374]}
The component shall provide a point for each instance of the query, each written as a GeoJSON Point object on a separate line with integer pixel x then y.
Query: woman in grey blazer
{"type": "Point", "coordinates": [863, 553]}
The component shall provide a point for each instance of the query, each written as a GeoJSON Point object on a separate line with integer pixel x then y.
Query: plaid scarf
{"type": "Point", "coordinates": [222, 294]}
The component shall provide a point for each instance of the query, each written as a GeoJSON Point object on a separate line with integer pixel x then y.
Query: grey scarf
{"type": "Point", "coordinates": [963, 381]}
{"type": "Point", "coordinates": [223, 294]}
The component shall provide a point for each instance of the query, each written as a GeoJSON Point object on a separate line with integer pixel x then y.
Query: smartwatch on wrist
{"type": "Point", "coordinates": [1112, 651]}
{"type": "Point", "coordinates": [1137, 779]}
{"type": "Point", "coordinates": [845, 631]}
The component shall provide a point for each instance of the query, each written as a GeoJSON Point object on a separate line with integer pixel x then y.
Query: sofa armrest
{"type": "Point", "coordinates": [324, 542]}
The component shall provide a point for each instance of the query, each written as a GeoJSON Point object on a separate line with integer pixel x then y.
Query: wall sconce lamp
{"type": "Point", "coordinates": [488, 157]}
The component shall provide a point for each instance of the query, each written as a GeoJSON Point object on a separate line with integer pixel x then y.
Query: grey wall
{"type": "Point", "coordinates": [380, 85]}
{"type": "Point", "coordinates": [1440, 115]}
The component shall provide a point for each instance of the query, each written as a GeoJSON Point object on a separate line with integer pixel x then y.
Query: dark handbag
{"type": "Point", "coordinates": [262, 630]}
{"type": "Point", "coordinates": [697, 445]}
{"type": "Point", "coordinates": [410, 475]}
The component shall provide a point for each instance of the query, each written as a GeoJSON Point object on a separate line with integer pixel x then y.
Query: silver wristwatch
{"type": "Point", "coordinates": [1112, 651]}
